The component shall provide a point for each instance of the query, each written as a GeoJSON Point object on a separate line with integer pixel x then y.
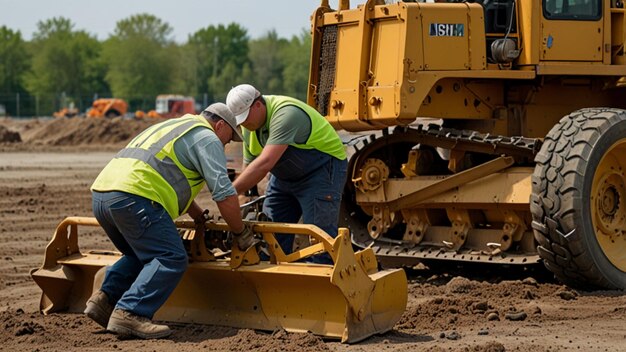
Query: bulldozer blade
{"type": "Point", "coordinates": [349, 300]}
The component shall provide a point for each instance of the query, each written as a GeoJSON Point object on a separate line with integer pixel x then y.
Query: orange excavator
{"type": "Point", "coordinates": [108, 107]}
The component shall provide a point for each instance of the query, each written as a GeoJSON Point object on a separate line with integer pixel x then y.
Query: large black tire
{"type": "Point", "coordinates": [578, 200]}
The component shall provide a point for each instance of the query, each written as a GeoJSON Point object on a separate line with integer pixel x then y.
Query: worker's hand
{"type": "Point", "coordinates": [201, 220]}
{"type": "Point", "coordinates": [245, 239]}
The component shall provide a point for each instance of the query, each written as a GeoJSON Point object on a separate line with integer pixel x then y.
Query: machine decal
{"type": "Point", "coordinates": [549, 42]}
{"type": "Point", "coordinates": [446, 29]}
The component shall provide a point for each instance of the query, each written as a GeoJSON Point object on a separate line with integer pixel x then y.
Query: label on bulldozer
{"type": "Point", "coordinates": [446, 29]}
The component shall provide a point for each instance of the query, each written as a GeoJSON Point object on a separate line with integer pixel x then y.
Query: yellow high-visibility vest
{"type": "Point", "coordinates": [323, 136]}
{"type": "Point", "coordinates": [148, 167]}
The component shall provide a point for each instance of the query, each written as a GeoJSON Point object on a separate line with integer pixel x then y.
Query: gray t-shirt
{"type": "Point", "coordinates": [289, 125]}
{"type": "Point", "coordinates": [201, 150]}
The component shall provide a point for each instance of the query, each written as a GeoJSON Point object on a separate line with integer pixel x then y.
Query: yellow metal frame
{"type": "Point", "coordinates": [350, 299]}
{"type": "Point", "coordinates": [389, 70]}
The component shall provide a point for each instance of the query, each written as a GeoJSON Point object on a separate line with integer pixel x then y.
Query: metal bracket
{"type": "Point", "coordinates": [512, 230]}
{"type": "Point", "coordinates": [380, 223]}
{"type": "Point", "coordinates": [410, 168]}
{"type": "Point", "coordinates": [461, 224]}
{"type": "Point", "coordinates": [416, 225]}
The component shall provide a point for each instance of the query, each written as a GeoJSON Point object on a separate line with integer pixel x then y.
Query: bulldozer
{"type": "Point", "coordinates": [488, 131]}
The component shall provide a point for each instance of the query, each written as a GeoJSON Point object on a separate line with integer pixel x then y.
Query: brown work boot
{"type": "Point", "coordinates": [99, 308]}
{"type": "Point", "coordinates": [125, 324]}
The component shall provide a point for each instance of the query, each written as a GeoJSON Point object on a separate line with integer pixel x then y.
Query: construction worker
{"type": "Point", "coordinates": [135, 199]}
{"type": "Point", "coordinates": [303, 154]}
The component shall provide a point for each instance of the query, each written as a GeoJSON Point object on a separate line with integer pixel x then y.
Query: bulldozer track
{"type": "Point", "coordinates": [389, 252]}
{"type": "Point", "coordinates": [474, 141]}
{"type": "Point", "coordinates": [467, 140]}
{"type": "Point", "coordinates": [433, 135]}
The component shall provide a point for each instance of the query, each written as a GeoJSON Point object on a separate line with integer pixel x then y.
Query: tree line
{"type": "Point", "coordinates": [141, 60]}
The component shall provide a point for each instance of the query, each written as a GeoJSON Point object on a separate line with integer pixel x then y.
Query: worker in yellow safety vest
{"type": "Point", "coordinates": [302, 153]}
{"type": "Point", "coordinates": [150, 182]}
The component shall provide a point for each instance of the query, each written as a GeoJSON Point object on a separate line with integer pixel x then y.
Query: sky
{"type": "Point", "coordinates": [287, 17]}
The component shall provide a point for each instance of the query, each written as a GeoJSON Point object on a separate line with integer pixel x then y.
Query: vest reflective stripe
{"type": "Point", "coordinates": [166, 168]}
{"type": "Point", "coordinates": [323, 136]}
{"type": "Point", "coordinates": [148, 167]}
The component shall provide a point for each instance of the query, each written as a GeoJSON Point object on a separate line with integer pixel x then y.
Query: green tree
{"type": "Point", "coordinates": [267, 63]}
{"type": "Point", "coordinates": [14, 61]}
{"type": "Point", "coordinates": [64, 60]}
{"type": "Point", "coordinates": [185, 68]}
{"type": "Point", "coordinates": [296, 57]}
{"type": "Point", "coordinates": [221, 57]}
{"type": "Point", "coordinates": [226, 78]}
{"type": "Point", "coordinates": [141, 58]}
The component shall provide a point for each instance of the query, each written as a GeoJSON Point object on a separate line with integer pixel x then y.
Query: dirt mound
{"type": "Point", "coordinates": [278, 341]}
{"type": "Point", "coordinates": [465, 302]}
{"type": "Point", "coordinates": [69, 132]}
{"type": "Point", "coordinates": [81, 131]}
{"type": "Point", "coordinates": [8, 136]}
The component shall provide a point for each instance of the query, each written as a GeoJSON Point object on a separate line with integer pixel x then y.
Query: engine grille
{"type": "Point", "coordinates": [326, 78]}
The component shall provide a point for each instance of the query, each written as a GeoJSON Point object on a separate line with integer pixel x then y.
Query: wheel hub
{"type": "Point", "coordinates": [610, 201]}
{"type": "Point", "coordinates": [373, 173]}
{"type": "Point", "coordinates": [608, 204]}
{"type": "Point", "coordinates": [610, 212]}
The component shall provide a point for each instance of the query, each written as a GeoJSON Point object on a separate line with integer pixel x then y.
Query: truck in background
{"type": "Point", "coordinates": [173, 105]}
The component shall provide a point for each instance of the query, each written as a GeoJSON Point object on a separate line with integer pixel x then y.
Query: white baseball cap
{"type": "Point", "coordinates": [240, 99]}
{"type": "Point", "coordinates": [223, 112]}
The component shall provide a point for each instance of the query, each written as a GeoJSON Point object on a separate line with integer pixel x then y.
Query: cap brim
{"type": "Point", "coordinates": [237, 137]}
{"type": "Point", "coordinates": [241, 118]}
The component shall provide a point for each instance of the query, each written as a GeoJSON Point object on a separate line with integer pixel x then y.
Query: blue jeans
{"type": "Point", "coordinates": [307, 184]}
{"type": "Point", "coordinates": [154, 258]}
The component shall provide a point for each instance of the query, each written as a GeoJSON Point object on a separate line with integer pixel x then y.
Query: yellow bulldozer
{"type": "Point", "coordinates": [488, 131]}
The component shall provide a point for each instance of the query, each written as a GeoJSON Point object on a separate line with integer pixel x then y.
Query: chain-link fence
{"type": "Point", "coordinates": [25, 105]}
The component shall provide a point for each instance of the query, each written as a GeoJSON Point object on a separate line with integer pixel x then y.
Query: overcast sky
{"type": "Point", "coordinates": [287, 17]}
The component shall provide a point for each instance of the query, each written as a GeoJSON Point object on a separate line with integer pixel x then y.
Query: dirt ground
{"type": "Point", "coordinates": [47, 166]}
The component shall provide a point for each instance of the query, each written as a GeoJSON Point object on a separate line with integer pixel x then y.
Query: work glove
{"type": "Point", "coordinates": [245, 239]}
